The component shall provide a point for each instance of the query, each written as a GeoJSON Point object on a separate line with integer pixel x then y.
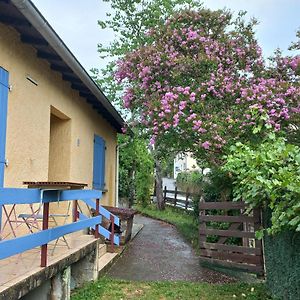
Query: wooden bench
{"type": "Point", "coordinates": [127, 215]}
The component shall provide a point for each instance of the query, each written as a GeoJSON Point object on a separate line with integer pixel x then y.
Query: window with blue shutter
{"type": "Point", "coordinates": [3, 118]}
{"type": "Point", "coordinates": [99, 163]}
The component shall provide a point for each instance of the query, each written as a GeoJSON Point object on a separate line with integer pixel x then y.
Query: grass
{"type": "Point", "coordinates": [184, 221]}
{"type": "Point", "coordinates": [112, 289]}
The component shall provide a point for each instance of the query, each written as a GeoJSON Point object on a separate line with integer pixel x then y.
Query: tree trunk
{"type": "Point", "coordinates": [158, 186]}
{"type": "Point", "coordinates": [131, 186]}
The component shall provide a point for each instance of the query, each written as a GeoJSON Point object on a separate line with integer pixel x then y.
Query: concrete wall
{"type": "Point", "coordinates": [28, 128]}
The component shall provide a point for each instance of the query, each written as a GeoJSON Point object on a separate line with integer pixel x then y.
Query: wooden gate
{"type": "Point", "coordinates": [233, 247]}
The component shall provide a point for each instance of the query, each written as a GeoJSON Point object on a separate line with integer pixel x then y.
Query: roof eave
{"type": "Point", "coordinates": [32, 14]}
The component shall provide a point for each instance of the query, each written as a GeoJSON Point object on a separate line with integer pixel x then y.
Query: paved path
{"type": "Point", "coordinates": [158, 252]}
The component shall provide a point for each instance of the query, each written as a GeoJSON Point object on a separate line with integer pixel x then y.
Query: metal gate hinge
{"type": "Point", "coordinates": [4, 162]}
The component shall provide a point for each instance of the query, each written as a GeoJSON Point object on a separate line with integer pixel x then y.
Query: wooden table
{"type": "Point", "coordinates": [55, 185]}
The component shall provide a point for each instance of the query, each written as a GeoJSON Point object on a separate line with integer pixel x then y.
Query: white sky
{"type": "Point", "coordinates": [75, 21]}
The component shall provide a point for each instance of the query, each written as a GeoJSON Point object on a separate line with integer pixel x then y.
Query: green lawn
{"type": "Point", "coordinates": [111, 289]}
{"type": "Point", "coordinates": [185, 222]}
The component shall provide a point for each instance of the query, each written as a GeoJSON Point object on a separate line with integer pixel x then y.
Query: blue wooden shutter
{"type": "Point", "coordinates": [99, 163]}
{"type": "Point", "coordinates": [3, 119]}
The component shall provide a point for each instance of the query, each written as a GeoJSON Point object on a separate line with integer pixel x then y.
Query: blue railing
{"type": "Point", "coordinates": [10, 196]}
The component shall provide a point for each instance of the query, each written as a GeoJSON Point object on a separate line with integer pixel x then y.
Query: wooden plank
{"type": "Point", "coordinates": [222, 205]}
{"type": "Point", "coordinates": [202, 226]}
{"type": "Point", "coordinates": [104, 212]}
{"type": "Point", "coordinates": [29, 196]}
{"type": "Point", "coordinates": [257, 225]}
{"type": "Point", "coordinates": [233, 226]}
{"type": "Point", "coordinates": [235, 257]}
{"type": "Point", "coordinates": [169, 191]}
{"type": "Point", "coordinates": [27, 39]}
{"type": "Point", "coordinates": [187, 200]}
{"type": "Point", "coordinates": [233, 248]}
{"type": "Point", "coordinates": [104, 232]}
{"type": "Point", "coordinates": [171, 200]}
{"type": "Point", "coordinates": [227, 264]}
{"type": "Point", "coordinates": [175, 196]}
{"type": "Point", "coordinates": [80, 194]}
{"type": "Point", "coordinates": [19, 196]}
{"type": "Point", "coordinates": [231, 219]}
{"type": "Point", "coordinates": [18, 245]}
{"type": "Point", "coordinates": [227, 233]}
{"type": "Point", "coordinates": [183, 201]}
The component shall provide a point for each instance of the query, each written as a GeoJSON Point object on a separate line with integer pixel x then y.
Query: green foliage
{"type": "Point", "coordinates": [282, 257]}
{"type": "Point", "coordinates": [190, 181]}
{"type": "Point", "coordinates": [217, 186]}
{"type": "Point", "coordinates": [268, 175]}
{"type": "Point", "coordinates": [167, 165]}
{"type": "Point", "coordinates": [136, 170]}
{"type": "Point", "coordinates": [114, 289]}
{"type": "Point", "coordinates": [144, 175]}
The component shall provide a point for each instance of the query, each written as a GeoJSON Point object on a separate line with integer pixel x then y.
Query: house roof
{"type": "Point", "coordinates": [36, 31]}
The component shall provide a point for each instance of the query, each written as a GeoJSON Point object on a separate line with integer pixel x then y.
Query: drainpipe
{"type": "Point", "coordinates": [117, 177]}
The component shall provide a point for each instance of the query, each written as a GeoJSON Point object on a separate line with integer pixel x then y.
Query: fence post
{"type": "Point", "coordinates": [97, 214]}
{"type": "Point", "coordinates": [44, 247]}
{"type": "Point", "coordinates": [165, 193]}
{"type": "Point", "coordinates": [258, 243]}
{"type": "Point", "coordinates": [75, 212]}
{"type": "Point", "coordinates": [187, 199]}
{"type": "Point", "coordinates": [112, 234]}
{"type": "Point", "coordinates": [202, 224]}
{"type": "Point", "coordinates": [175, 196]}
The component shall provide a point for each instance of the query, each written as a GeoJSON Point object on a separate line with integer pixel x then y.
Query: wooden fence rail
{"type": "Point", "coordinates": [186, 203]}
{"type": "Point", "coordinates": [12, 196]}
{"type": "Point", "coordinates": [249, 255]}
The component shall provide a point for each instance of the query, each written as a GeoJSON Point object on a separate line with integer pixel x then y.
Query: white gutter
{"type": "Point", "coordinates": [117, 177]}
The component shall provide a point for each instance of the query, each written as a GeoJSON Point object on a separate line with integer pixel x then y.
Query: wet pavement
{"type": "Point", "coordinates": [158, 252]}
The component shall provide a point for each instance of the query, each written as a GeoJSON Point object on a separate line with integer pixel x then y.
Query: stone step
{"type": "Point", "coordinates": [105, 262]}
{"type": "Point", "coordinates": [102, 250]}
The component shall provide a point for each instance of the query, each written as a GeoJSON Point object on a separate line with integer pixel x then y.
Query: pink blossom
{"type": "Point", "coordinates": [206, 145]}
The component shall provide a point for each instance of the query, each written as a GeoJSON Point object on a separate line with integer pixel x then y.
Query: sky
{"type": "Point", "coordinates": [75, 21]}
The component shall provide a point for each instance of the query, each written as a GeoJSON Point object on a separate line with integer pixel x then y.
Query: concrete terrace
{"type": "Point", "coordinates": [22, 273]}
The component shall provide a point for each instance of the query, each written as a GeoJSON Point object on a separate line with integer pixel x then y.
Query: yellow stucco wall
{"type": "Point", "coordinates": [28, 124]}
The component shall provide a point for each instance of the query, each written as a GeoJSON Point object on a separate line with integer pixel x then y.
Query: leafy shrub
{"type": "Point", "coordinates": [268, 175]}
{"type": "Point", "coordinates": [135, 170]}
{"type": "Point", "coordinates": [190, 181]}
{"type": "Point", "coordinates": [217, 186]}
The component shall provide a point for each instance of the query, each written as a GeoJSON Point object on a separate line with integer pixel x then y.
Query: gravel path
{"type": "Point", "coordinates": [158, 252]}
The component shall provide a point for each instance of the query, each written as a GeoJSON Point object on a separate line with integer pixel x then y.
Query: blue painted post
{"type": "Point", "coordinates": [3, 119]}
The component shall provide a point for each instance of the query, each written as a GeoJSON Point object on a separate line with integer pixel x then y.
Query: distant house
{"type": "Point", "coordinates": [184, 162]}
{"type": "Point", "coordinates": [55, 122]}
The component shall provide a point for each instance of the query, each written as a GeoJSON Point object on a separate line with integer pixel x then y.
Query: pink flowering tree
{"type": "Point", "coordinates": [200, 84]}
